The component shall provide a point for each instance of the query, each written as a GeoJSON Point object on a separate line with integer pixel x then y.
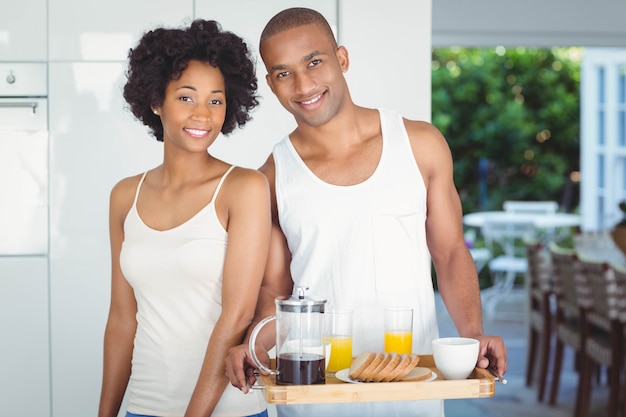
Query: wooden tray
{"type": "Point", "coordinates": [480, 384]}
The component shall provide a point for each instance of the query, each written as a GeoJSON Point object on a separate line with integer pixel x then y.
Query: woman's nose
{"type": "Point", "coordinates": [201, 112]}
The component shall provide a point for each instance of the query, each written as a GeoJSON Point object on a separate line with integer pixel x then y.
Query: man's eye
{"type": "Point", "coordinates": [282, 74]}
{"type": "Point", "coordinates": [315, 62]}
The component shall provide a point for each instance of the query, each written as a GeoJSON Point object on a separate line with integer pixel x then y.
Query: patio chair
{"type": "Point", "coordinates": [506, 241]}
{"type": "Point", "coordinates": [604, 332]}
{"type": "Point", "coordinates": [530, 207]}
{"type": "Point", "coordinates": [541, 317]}
{"type": "Point", "coordinates": [534, 207]}
{"type": "Point", "coordinates": [567, 325]}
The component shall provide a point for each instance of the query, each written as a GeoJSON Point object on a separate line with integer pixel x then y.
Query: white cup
{"type": "Point", "coordinates": [455, 357]}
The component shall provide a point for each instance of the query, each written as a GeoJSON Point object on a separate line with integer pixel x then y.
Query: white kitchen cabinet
{"type": "Point", "coordinates": [94, 142]}
{"type": "Point", "coordinates": [105, 30]}
{"type": "Point", "coordinates": [23, 31]}
{"type": "Point", "coordinates": [25, 337]}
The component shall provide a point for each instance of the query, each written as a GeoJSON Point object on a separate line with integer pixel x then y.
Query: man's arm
{"type": "Point", "coordinates": [457, 278]}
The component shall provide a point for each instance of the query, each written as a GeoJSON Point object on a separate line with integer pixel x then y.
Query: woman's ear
{"type": "Point", "coordinates": [342, 57]}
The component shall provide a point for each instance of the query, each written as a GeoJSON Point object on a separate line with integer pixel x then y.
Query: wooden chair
{"type": "Point", "coordinates": [540, 297]}
{"type": "Point", "coordinates": [604, 333]}
{"type": "Point", "coordinates": [567, 327]}
{"type": "Point", "coordinates": [619, 273]}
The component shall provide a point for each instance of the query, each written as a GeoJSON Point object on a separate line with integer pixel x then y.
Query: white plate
{"type": "Point", "coordinates": [344, 375]}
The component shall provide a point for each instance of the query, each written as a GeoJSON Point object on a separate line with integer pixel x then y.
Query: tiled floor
{"type": "Point", "coordinates": [515, 399]}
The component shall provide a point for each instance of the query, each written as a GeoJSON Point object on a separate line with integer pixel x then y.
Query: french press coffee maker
{"type": "Point", "coordinates": [301, 348]}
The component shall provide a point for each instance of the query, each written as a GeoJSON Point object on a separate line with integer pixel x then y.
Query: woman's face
{"type": "Point", "coordinates": [194, 107]}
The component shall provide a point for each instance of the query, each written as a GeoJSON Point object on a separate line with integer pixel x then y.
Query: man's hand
{"type": "Point", "coordinates": [492, 354]}
{"type": "Point", "coordinates": [240, 367]}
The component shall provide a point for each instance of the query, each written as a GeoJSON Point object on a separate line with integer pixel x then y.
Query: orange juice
{"type": "Point", "coordinates": [340, 353]}
{"type": "Point", "coordinates": [398, 341]}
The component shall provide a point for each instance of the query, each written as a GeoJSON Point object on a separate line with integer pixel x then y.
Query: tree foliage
{"type": "Point", "coordinates": [516, 112]}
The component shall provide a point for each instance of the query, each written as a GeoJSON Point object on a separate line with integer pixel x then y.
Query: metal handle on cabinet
{"type": "Point", "coordinates": [21, 104]}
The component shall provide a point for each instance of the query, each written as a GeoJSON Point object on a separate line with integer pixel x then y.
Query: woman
{"type": "Point", "coordinates": [190, 237]}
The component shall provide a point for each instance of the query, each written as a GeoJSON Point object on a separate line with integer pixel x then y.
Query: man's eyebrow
{"type": "Point", "coordinates": [278, 68]}
{"type": "Point", "coordinates": [311, 56]}
{"type": "Point", "coordinates": [306, 58]}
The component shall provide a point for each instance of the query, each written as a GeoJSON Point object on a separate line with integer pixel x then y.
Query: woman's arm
{"type": "Point", "coordinates": [246, 196]}
{"type": "Point", "coordinates": [121, 324]}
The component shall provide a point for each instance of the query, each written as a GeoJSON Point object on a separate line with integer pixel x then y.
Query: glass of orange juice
{"type": "Point", "coordinates": [399, 329]}
{"type": "Point", "coordinates": [339, 334]}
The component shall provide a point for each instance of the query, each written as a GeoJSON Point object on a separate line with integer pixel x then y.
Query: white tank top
{"type": "Point", "coordinates": [176, 276]}
{"type": "Point", "coordinates": [364, 247]}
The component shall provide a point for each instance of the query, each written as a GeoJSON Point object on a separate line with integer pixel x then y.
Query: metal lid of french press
{"type": "Point", "coordinates": [300, 303]}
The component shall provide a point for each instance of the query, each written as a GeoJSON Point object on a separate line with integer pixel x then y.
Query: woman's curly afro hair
{"type": "Point", "coordinates": [163, 54]}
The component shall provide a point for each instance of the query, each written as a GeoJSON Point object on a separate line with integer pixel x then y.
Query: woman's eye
{"type": "Point", "coordinates": [185, 98]}
{"type": "Point", "coordinates": [216, 102]}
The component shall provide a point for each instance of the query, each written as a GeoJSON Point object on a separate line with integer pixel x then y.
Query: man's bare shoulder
{"type": "Point", "coordinates": [424, 135]}
{"type": "Point", "coordinates": [418, 129]}
{"type": "Point", "coordinates": [268, 167]}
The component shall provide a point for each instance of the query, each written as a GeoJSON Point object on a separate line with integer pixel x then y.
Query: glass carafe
{"type": "Point", "coordinates": [301, 349]}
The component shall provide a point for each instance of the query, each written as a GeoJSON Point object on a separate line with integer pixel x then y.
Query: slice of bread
{"type": "Point", "coordinates": [368, 375]}
{"type": "Point", "coordinates": [402, 368]}
{"type": "Point", "coordinates": [414, 360]}
{"type": "Point", "coordinates": [418, 374]}
{"type": "Point", "coordinates": [360, 363]}
{"type": "Point", "coordinates": [388, 368]}
{"type": "Point", "coordinates": [367, 372]}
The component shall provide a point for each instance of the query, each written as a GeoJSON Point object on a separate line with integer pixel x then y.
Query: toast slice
{"type": "Point", "coordinates": [389, 367]}
{"type": "Point", "coordinates": [402, 368]}
{"type": "Point", "coordinates": [418, 374]}
{"type": "Point", "coordinates": [360, 363]}
{"type": "Point", "coordinates": [368, 371]}
{"type": "Point", "coordinates": [412, 364]}
{"type": "Point", "coordinates": [368, 376]}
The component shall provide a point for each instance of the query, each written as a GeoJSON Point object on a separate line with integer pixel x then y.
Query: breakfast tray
{"type": "Point", "coordinates": [480, 384]}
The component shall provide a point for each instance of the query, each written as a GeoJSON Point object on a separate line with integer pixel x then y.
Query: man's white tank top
{"type": "Point", "coordinates": [363, 246]}
{"type": "Point", "coordinates": [176, 276]}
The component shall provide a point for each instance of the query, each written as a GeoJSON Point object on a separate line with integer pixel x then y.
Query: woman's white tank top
{"type": "Point", "coordinates": [176, 275]}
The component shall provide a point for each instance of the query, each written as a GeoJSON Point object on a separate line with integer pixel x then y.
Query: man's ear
{"type": "Point", "coordinates": [342, 57]}
{"type": "Point", "coordinates": [268, 79]}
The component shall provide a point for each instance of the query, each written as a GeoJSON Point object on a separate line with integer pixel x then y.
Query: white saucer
{"type": "Point", "coordinates": [344, 375]}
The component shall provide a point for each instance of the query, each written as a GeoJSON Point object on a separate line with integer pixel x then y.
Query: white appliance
{"type": "Point", "coordinates": [23, 159]}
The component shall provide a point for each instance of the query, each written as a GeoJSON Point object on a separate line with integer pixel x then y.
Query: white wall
{"type": "Point", "coordinates": [531, 22]}
{"type": "Point", "coordinates": [389, 54]}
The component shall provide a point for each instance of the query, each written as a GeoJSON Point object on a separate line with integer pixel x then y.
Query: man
{"type": "Point", "coordinates": [364, 198]}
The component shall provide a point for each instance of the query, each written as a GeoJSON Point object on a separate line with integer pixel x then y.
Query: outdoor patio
{"type": "Point", "coordinates": [515, 399]}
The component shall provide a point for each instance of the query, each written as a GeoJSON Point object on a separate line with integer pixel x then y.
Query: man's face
{"type": "Point", "coordinates": [305, 72]}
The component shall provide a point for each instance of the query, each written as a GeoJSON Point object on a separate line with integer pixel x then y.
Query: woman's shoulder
{"type": "Point", "coordinates": [246, 177]}
{"type": "Point", "coordinates": [126, 185]}
{"type": "Point", "coordinates": [123, 193]}
{"type": "Point", "coordinates": [245, 185]}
